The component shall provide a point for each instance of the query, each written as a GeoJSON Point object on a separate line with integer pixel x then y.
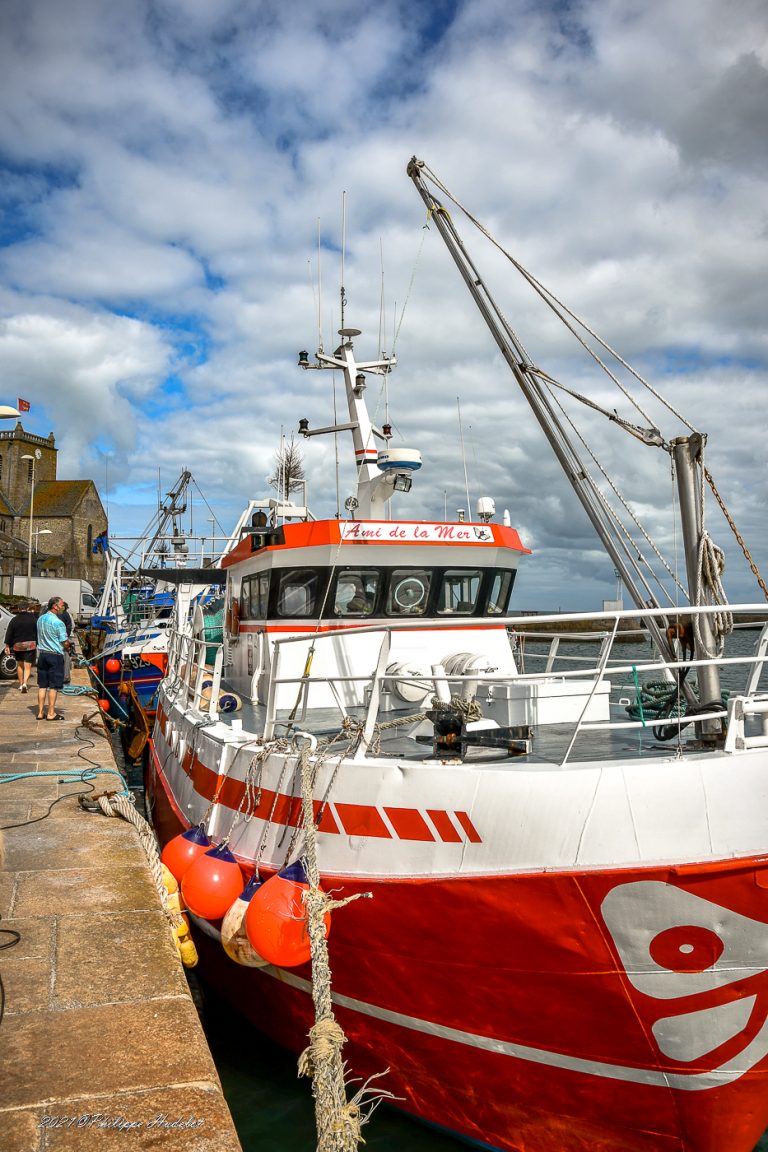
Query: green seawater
{"type": "Point", "coordinates": [273, 1109]}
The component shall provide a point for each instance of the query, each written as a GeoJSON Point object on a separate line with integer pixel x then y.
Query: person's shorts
{"type": "Point", "coordinates": [50, 669]}
{"type": "Point", "coordinates": [27, 657]}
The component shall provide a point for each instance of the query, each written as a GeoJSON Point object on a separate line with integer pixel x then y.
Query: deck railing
{"type": "Point", "coordinates": [191, 680]}
{"type": "Point", "coordinates": [188, 673]}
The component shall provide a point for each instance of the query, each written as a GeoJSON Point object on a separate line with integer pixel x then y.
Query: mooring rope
{"type": "Point", "coordinates": [339, 1121]}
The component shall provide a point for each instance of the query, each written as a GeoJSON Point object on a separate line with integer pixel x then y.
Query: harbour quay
{"type": "Point", "coordinates": [100, 1042]}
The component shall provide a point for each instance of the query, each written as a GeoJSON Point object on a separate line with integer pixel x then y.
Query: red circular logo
{"type": "Point", "coordinates": [687, 948]}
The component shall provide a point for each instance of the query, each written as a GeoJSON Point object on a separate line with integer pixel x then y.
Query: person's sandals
{"type": "Point", "coordinates": [57, 717]}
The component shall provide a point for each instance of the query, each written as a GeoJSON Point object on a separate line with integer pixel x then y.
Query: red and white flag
{"type": "Point", "coordinates": [22, 405]}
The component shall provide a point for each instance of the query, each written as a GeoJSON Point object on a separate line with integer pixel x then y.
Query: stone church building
{"type": "Point", "coordinates": [67, 515]}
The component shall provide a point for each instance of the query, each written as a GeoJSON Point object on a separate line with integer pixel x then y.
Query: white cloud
{"type": "Point", "coordinates": [85, 374]}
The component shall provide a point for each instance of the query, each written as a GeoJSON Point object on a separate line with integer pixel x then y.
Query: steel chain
{"type": "Point", "coordinates": [736, 533]}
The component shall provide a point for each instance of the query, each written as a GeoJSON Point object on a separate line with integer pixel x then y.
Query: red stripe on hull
{"type": "Point", "coordinates": [356, 819]}
{"type": "Point", "coordinates": [473, 835]}
{"type": "Point", "coordinates": [444, 825]}
{"type": "Point", "coordinates": [409, 824]}
{"type": "Point", "coordinates": [509, 1013]}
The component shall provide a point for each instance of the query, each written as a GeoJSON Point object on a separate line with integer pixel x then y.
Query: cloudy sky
{"type": "Point", "coordinates": [168, 166]}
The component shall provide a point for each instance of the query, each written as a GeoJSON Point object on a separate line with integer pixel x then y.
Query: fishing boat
{"type": "Point", "coordinates": [159, 580]}
{"type": "Point", "coordinates": [567, 942]}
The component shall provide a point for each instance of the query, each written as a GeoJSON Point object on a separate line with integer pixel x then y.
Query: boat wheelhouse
{"type": "Point", "coordinates": [336, 576]}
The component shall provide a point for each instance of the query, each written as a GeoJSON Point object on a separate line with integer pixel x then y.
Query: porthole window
{"type": "Point", "coordinates": [408, 591]}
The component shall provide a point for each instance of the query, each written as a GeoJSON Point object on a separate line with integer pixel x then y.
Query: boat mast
{"type": "Point", "coordinates": [524, 372]}
{"type": "Point", "coordinates": [379, 474]}
{"type": "Point", "coordinates": [687, 455]}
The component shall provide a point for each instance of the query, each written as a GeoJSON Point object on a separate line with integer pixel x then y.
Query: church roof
{"type": "Point", "coordinates": [57, 497]}
{"type": "Point", "coordinates": [5, 507]}
{"type": "Point", "coordinates": [11, 546]}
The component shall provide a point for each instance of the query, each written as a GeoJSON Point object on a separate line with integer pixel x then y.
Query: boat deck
{"type": "Point", "coordinates": [575, 699]}
{"type": "Point", "coordinates": [548, 746]}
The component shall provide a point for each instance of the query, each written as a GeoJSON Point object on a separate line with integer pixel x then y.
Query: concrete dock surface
{"type": "Point", "coordinates": [100, 1042]}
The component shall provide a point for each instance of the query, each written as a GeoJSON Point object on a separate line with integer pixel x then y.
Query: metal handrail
{"type": "Point", "coordinates": [187, 670]}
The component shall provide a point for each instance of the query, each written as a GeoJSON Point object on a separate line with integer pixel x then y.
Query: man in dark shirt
{"type": "Point", "coordinates": [21, 639]}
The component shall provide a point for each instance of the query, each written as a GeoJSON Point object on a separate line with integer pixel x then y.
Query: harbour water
{"type": "Point", "coordinates": [573, 654]}
{"type": "Point", "coordinates": [273, 1109]}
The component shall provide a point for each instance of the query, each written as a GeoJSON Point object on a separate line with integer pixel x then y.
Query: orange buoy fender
{"type": "Point", "coordinates": [180, 853]}
{"type": "Point", "coordinates": [212, 883]}
{"type": "Point", "coordinates": [113, 665]}
{"type": "Point", "coordinates": [276, 920]}
{"type": "Point", "coordinates": [234, 936]}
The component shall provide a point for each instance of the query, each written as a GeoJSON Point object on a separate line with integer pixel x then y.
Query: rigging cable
{"type": "Point", "coordinates": [614, 515]}
{"type": "Point", "coordinates": [561, 310]}
{"type": "Point", "coordinates": [737, 534]}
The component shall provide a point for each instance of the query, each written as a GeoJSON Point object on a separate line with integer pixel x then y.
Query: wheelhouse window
{"type": "Point", "coordinates": [459, 591]}
{"type": "Point", "coordinates": [254, 597]}
{"type": "Point", "coordinates": [363, 592]}
{"type": "Point", "coordinates": [501, 590]}
{"type": "Point", "coordinates": [356, 592]}
{"type": "Point", "coordinates": [297, 592]}
{"type": "Point", "coordinates": [408, 591]}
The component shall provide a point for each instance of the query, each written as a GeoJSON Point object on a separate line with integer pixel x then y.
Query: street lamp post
{"type": "Point", "coordinates": [212, 522]}
{"type": "Point", "coordinates": [34, 460]}
{"type": "Point", "coordinates": [40, 532]}
{"type": "Point", "coordinates": [37, 534]}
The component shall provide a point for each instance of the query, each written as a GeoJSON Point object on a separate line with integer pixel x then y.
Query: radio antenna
{"type": "Point", "coordinates": [463, 456]}
{"type": "Point", "coordinates": [319, 292]}
{"type": "Point", "coordinates": [343, 251]}
{"type": "Point", "coordinates": [382, 314]}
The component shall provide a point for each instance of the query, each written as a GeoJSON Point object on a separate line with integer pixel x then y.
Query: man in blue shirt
{"type": "Point", "coordinates": [52, 643]}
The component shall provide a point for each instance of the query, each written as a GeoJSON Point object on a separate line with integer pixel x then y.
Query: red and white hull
{"type": "Point", "coordinates": [553, 959]}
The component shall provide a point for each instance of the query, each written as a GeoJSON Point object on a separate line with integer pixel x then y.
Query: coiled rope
{"type": "Point", "coordinates": [709, 569]}
{"type": "Point", "coordinates": [659, 700]}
